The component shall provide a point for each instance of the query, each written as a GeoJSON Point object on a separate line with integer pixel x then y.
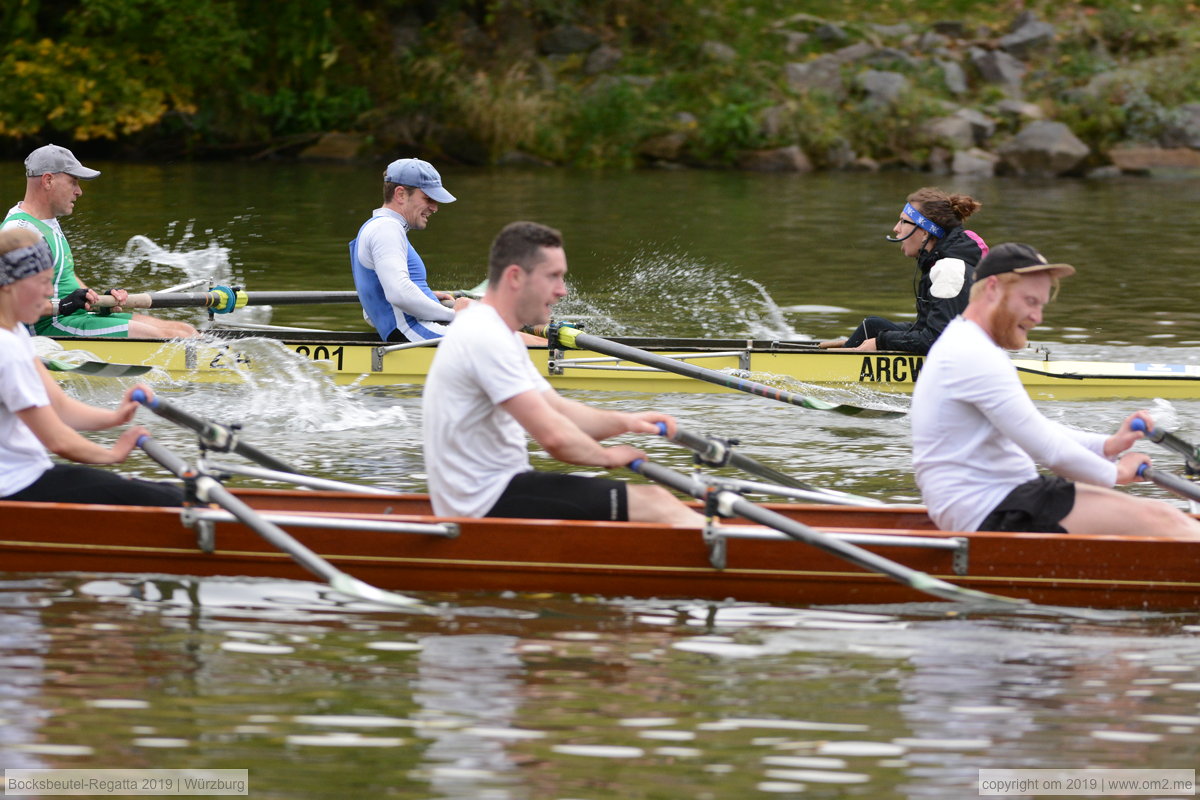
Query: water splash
{"type": "Point", "coordinates": [270, 388]}
{"type": "Point", "coordinates": [210, 262]}
{"type": "Point", "coordinates": [660, 293]}
{"type": "Point", "coordinates": [847, 394]}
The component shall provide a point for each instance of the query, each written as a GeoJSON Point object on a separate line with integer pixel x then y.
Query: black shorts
{"type": "Point", "coordinates": [75, 483]}
{"type": "Point", "coordinates": [1037, 506]}
{"type": "Point", "coordinates": [553, 495]}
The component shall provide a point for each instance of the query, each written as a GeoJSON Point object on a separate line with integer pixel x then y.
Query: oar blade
{"type": "Point", "coordinates": [361, 590]}
{"type": "Point", "coordinates": [817, 404]}
{"type": "Point", "coordinates": [96, 369]}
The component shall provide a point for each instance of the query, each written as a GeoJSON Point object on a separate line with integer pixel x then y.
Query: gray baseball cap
{"type": "Point", "coordinates": [52, 158]}
{"type": "Point", "coordinates": [420, 175]}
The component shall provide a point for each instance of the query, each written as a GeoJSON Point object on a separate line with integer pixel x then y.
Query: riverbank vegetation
{"type": "Point", "coordinates": [595, 83]}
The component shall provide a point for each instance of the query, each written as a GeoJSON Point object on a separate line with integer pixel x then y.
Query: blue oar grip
{"type": "Point", "coordinates": [662, 428]}
{"type": "Point", "coordinates": [139, 396]}
{"type": "Point", "coordinates": [636, 464]}
{"type": "Point", "coordinates": [142, 439]}
{"type": "Point", "coordinates": [1141, 468]}
{"type": "Point", "coordinates": [1138, 424]}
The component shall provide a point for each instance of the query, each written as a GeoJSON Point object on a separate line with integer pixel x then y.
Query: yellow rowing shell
{"type": "Point", "coordinates": [359, 359]}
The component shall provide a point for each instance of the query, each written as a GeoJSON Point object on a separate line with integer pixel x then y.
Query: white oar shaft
{"type": "Point", "coordinates": [208, 489]}
{"type": "Point", "coordinates": [730, 503]}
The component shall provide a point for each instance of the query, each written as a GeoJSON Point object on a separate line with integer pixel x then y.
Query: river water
{"type": "Point", "coordinates": [567, 697]}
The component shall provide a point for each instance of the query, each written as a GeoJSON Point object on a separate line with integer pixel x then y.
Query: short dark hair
{"type": "Point", "coordinates": [389, 190]}
{"type": "Point", "coordinates": [520, 243]}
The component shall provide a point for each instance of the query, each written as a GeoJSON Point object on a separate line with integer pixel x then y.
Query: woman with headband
{"type": "Point", "coordinates": [930, 229]}
{"type": "Point", "coordinates": [36, 415]}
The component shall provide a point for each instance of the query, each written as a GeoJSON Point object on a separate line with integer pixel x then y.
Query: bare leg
{"type": "Point", "coordinates": [656, 504]}
{"type": "Point", "coordinates": [1105, 511]}
{"type": "Point", "coordinates": [144, 327]}
{"type": "Point", "coordinates": [832, 343]}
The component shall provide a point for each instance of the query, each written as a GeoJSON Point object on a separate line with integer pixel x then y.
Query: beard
{"type": "Point", "coordinates": [1004, 330]}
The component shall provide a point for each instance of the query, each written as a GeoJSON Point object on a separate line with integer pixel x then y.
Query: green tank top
{"type": "Point", "coordinates": [65, 281]}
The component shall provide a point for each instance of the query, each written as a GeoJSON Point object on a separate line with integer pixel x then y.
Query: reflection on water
{"type": "Point", "coordinates": [552, 697]}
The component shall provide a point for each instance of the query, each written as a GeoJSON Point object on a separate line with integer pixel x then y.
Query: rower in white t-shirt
{"type": "Point", "coordinates": [483, 395]}
{"type": "Point", "coordinates": [978, 438]}
{"type": "Point", "coordinates": [36, 415]}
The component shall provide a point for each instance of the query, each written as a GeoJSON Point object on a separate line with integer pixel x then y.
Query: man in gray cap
{"type": "Point", "coordinates": [388, 273]}
{"type": "Point", "coordinates": [978, 438]}
{"type": "Point", "coordinates": [52, 186]}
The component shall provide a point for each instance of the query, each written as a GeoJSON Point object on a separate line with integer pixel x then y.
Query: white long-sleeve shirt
{"type": "Point", "coordinates": [977, 435]}
{"type": "Point", "coordinates": [407, 304]}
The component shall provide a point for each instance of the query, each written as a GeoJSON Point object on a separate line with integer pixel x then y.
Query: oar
{"type": "Point", "coordinates": [566, 336]}
{"type": "Point", "coordinates": [217, 436]}
{"type": "Point", "coordinates": [717, 452]}
{"type": "Point", "coordinates": [731, 503]}
{"type": "Point", "coordinates": [223, 299]}
{"type": "Point", "coordinates": [1190, 452]}
{"type": "Point", "coordinates": [96, 369]}
{"type": "Point", "coordinates": [1171, 482]}
{"type": "Point", "coordinates": [209, 490]}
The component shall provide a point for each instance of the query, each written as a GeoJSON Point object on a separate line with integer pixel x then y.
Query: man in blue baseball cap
{"type": "Point", "coordinates": [388, 273]}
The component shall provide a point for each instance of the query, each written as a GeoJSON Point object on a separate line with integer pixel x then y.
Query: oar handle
{"type": "Point", "coordinates": [714, 451]}
{"type": "Point", "coordinates": [219, 437]}
{"type": "Point", "coordinates": [1170, 481]}
{"type": "Point", "coordinates": [1189, 451]}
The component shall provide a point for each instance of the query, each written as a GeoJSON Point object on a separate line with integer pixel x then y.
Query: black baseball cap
{"type": "Point", "coordinates": [1020, 258]}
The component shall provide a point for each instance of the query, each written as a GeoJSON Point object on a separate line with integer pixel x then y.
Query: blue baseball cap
{"type": "Point", "coordinates": [420, 175]}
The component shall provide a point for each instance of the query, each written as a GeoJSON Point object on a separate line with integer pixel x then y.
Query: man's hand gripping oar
{"type": "Point", "coordinates": [1169, 480]}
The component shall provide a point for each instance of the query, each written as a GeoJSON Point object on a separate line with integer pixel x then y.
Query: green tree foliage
{"type": "Point", "coordinates": [222, 69]}
{"type": "Point", "coordinates": [473, 79]}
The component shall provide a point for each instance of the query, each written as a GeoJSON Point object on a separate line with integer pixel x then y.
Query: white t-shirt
{"type": "Point", "coordinates": [473, 448]}
{"type": "Point", "coordinates": [23, 459]}
{"type": "Point", "coordinates": [977, 435]}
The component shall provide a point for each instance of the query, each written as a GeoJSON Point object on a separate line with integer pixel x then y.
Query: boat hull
{"type": "Point", "coordinates": [608, 559]}
{"type": "Point", "coordinates": [356, 358]}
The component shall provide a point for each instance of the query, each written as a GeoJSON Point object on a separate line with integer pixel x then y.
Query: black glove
{"type": "Point", "coordinates": [73, 302]}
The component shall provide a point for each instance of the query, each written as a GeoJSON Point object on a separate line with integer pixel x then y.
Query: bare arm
{"type": "Point", "coordinates": [63, 441]}
{"type": "Point", "coordinates": [83, 417]}
{"type": "Point", "coordinates": [561, 436]}
{"type": "Point", "coordinates": [601, 424]}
